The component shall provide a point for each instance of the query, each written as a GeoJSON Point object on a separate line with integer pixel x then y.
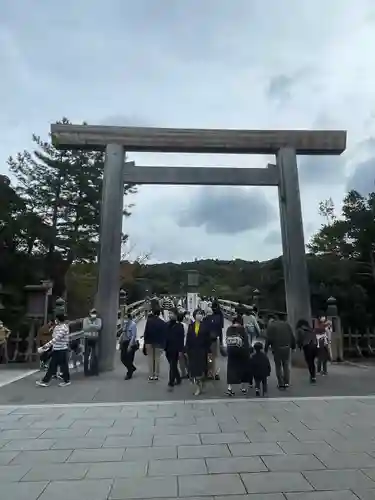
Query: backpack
{"type": "Point", "coordinates": [234, 342]}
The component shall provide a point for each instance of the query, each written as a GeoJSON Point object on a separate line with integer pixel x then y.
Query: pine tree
{"type": "Point", "coordinates": [63, 189]}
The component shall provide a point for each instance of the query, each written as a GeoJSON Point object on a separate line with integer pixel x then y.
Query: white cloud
{"type": "Point", "coordinates": [258, 64]}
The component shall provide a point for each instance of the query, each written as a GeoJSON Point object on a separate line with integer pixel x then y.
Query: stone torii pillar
{"type": "Point", "coordinates": [107, 298]}
{"type": "Point", "coordinates": [297, 292]}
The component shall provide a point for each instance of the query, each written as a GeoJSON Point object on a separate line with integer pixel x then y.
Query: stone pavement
{"type": "Point", "coordinates": [343, 380]}
{"type": "Point", "coordinates": [285, 449]}
{"type": "Point", "coordinates": [8, 376]}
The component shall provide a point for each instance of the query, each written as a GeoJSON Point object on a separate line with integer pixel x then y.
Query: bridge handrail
{"type": "Point", "coordinates": [136, 308]}
{"type": "Point", "coordinates": [229, 309]}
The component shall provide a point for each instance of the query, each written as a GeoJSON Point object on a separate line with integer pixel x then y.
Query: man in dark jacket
{"type": "Point", "coordinates": [174, 346]}
{"type": "Point", "coordinates": [214, 323]}
{"type": "Point", "coordinates": [154, 339]}
{"type": "Point", "coordinates": [281, 339]}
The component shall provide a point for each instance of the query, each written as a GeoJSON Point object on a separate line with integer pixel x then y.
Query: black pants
{"type": "Point", "coordinates": [127, 357]}
{"type": "Point", "coordinates": [323, 358]}
{"type": "Point", "coordinates": [281, 357]}
{"type": "Point", "coordinates": [91, 357]}
{"type": "Point", "coordinates": [58, 359]}
{"type": "Point", "coordinates": [310, 353]}
{"type": "Point", "coordinates": [263, 383]}
{"type": "Point", "coordinates": [174, 374]}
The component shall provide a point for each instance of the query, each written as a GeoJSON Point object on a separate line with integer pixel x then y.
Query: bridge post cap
{"type": "Point", "coordinates": [60, 302]}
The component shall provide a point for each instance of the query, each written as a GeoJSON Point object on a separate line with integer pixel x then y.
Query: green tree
{"type": "Point", "coordinates": [350, 236]}
{"type": "Point", "coordinates": [63, 189]}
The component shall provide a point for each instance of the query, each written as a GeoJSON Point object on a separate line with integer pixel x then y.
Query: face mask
{"type": "Point", "coordinates": [92, 316]}
{"type": "Point", "coordinates": [322, 319]}
{"type": "Point", "coordinates": [198, 318]}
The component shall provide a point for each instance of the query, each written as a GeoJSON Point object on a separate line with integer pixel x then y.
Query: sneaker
{"type": "Point", "coordinates": [64, 384]}
{"type": "Point", "coordinates": [150, 379]}
{"type": "Point", "coordinates": [230, 393]}
{"type": "Point", "coordinates": [41, 383]}
{"type": "Point", "coordinates": [286, 386]}
{"type": "Point", "coordinates": [313, 380]}
{"type": "Point", "coordinates": [198, 391]}
{"type": "Point", "coordinates": [257, 393]}
{"type": "Point", "coordinates": [217, 377]}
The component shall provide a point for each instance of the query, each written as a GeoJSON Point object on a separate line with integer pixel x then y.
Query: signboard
{"type": "Point", "coordinates": [192, 302]}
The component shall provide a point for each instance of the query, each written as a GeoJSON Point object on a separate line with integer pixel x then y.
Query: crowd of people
{"type": "Point", "coordinates": [193, 343]}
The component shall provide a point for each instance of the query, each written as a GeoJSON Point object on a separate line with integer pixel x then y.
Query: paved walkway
{"type": "Point", "coordinates": [8, 376]}
{"type": "Point", "coordinates": [343, 380]}
{"type": "Point", "coordinates": [322, 449]}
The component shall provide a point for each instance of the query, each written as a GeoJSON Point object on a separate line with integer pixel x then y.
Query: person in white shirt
{"type": "Point", "coordinates": [203, 305]}
{"type": "Point", "coordinates": [60, 353]}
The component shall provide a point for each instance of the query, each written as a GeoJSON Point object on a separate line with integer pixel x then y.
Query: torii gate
{"type": "Point", "coordinates": [284, 144]}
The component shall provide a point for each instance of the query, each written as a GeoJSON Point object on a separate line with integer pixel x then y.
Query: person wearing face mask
{"type": "Point", "coordinates": [92, 326]}
{"type": "Point", "coordinates": [174, 346]}
{"type": "Point", "coordinates": [323, 330]}
{"type": "Point", "coordinates": [197, 348]}
{"type": "Point", "coordinates": [60, 353]}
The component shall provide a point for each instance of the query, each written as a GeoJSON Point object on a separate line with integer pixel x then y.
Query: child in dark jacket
{"type": "Point", "coordinates": [260, 369]}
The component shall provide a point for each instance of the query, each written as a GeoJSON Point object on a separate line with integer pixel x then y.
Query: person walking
{"type": "Point", "coordinates": [197, 347]}
{"type": "Point", "coordinates": [260, 367]}
{"type": "Point", "coordinates": [215, 324]}
{"type": "Point", "coordinates": [128, 345]}
{"type": "Point", "coordinates": [182, 359]}
{"type": "Point", "coordinates": [281, 339]}
{"type": "Point", "coordinates": [154, 340]}
{"type": "Point", "coordinates": [238, 358]}
{"type": "Point", "coordinates": [307, 341]}
{"type": "Point", "coordinates": [92, 326]}
{"type": "Point", "coordinates": [251, 325]}
{"type": "Point", "coordinates": [167, 305]}
{"type": "Point", "coordinates": [174, 347]}
{"type": "Point", "coordinates": [323, 331]}
{"type": "Point", "coordinates": [59, 355]}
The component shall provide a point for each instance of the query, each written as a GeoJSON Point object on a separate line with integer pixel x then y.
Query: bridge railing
{"type": "Point", "coordinates": [136, 308]}
{"type": "Point", "coordinates": [229, 308]}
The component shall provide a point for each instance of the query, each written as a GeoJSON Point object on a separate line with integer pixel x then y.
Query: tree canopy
{"type": "Point", "coordinates": [50, 217]}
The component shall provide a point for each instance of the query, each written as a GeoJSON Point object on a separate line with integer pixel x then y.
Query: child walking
{"type": "Point", "coordinates": [261, 369]}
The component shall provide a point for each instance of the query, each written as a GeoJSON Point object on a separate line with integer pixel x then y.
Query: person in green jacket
{"type": "Point", "coordinates": [281, 339]}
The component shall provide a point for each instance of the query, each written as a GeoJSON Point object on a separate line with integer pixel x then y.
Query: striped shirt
{"type": "Point", "coordinates": [60, 337]}
{"type": "Point", "coordinates": [168, 303]}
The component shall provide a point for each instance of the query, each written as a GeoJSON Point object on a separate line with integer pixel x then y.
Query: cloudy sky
{"type": "Point", "coordinates": [252, 64]}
